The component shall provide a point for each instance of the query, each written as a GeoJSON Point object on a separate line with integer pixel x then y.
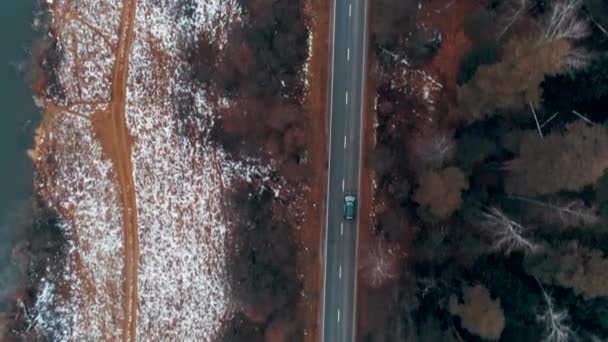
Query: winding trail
{"type": "Point", "coordinates": [113, 133]}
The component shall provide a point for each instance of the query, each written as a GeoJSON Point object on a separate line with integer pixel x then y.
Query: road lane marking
{"type": "Point", "coordinates": [342, 228]}
{"type": "Point", "coordinates": [347, 97]}
{"type": "Point", "coordinates": [342, 185]}
{"type": "Point", "coordinates": [350, 12]}
{"type": "Point", "coordinates": [345, 142]}
{"type": "Point", "coordinates": [338, 315]}
{"type": "Point", "coordinates": [340, 272]}
{"type": "Point", "coordinates": [348, 54]}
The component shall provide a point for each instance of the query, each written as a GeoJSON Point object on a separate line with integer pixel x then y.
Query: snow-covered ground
{"type": "Point", "coordinates": [182, 225]}
{"type": "Point", "coordinates": [79, 183]}
{"type": "Point", "coordinates": [179, 182]}
{"type": "Point", "coordinates": [81, 188]}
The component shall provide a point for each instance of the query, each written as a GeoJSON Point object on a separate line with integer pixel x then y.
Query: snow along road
{"type": "Point", "coordinates": [348, 66]}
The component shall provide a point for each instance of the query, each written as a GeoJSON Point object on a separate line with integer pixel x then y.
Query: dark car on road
{"type": "Point", "coordinates": [350, 207]}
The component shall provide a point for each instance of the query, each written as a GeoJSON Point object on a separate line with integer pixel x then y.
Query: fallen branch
{"type": "Point", "coordinates": [549, 119]}
{"type": "Point", "coordinates": [524, 5]}
{"type": "Point", "coordinates": [540, 131]}
{"type": "Point", "coordinates": [569, 213]}
{"type": "Point", "coordinates": [582, 117]}
{"type": "Point", "coordinates": [600, 27]}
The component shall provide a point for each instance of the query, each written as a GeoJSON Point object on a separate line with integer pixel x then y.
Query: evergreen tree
{"type": "Point", "coordinates": [585, 86]}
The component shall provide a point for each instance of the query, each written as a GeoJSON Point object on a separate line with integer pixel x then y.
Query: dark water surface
{"type": "Point", "coordinates": [19, 118]}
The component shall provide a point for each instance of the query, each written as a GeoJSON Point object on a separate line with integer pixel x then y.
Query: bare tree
{"type": "Point", "coordinates": [566, 213]}
{"type": "Point", "coordinates": [437, 149]}
{"type": "Point", "coordinates": [380, 263]}
{"type": "Point", "coordinates": [514, 11]}
{"type": "Point", "coordinates": [427, 285]}
{"type": "Point", "coordinates": [507, 234]}
{"type": "Point", "coordinates": [433, 286]}
{"type": "Point", "coordinates": [565, 22]}
{"type": "Point", "coordinates": [577, 59]}
{"type": "Point", "coordinates": [556, 321]}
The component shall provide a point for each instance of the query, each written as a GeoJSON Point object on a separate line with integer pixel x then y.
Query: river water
{"type": "Point", "coordinates": [19, 118]}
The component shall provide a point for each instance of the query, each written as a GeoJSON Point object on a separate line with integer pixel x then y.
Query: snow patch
{"type": "Point", "coordinates": [179, 181]}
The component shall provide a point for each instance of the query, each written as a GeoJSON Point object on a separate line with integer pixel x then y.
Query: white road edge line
{"type": "Point", "coordinates": [347, 97]}
{"type": "Point", "coordinates": [361, 133]}
{"type": "Point", "coordinates": [338, 315]}
{"type": "Point", "coordinates": [331, 97]}
{"type": "Point", "coordinates": [345, 142]}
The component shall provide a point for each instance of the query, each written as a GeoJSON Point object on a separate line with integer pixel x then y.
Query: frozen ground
{"type": "Point", "coordinates": [178, 181]}
{"type": "Point", "coordinates": [182, 224]}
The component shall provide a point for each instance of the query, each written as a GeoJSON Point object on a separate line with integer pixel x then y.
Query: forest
{"type": "Point", "coordinates": [259, 71]}
{"type": "Point", "coordinates": [490, 161]}
{"type": "Point", "coordinates": [38, 249]}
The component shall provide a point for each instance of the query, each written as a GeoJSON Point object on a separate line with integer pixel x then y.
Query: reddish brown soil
{"type": "Point", "coordinates": [312, 233]}
{"type": "Point", "coordinates": [366, 195]}
{"type": "Point", "coordinates": [451, 22]}
{"type": "Point", "coordinates": [111, 129]}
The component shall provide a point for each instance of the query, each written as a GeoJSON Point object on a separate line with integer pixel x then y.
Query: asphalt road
{"type": "Point", "coordinates": [348, 54]}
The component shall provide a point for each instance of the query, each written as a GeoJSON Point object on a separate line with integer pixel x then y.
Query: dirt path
{"type": "Point", "coordinates": [111, 129]}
